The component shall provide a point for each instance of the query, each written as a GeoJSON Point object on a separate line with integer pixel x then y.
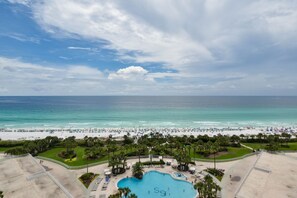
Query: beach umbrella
{"type": "Point", "coordinates": [108, 173]}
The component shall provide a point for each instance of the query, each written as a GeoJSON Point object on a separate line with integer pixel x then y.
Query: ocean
{"type": "Point", "coordinates": [147, 111]}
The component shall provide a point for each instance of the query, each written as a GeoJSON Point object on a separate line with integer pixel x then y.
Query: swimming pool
{"type": "Point", "coordinates": [157, 185]}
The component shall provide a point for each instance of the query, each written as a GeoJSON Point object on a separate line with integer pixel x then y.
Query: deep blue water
{"type": "Point", "coordinates": [146, 111]}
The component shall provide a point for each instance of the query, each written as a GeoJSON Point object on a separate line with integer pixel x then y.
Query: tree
{"type": "Point", "coordinates": [94, 152]}
{"type": "Point", "coordinates": [1, 194]}
{"type": "Point", "coordinates": [118, 163]}
{"type": "Point", "coordinates": [273, 143]}
{"type": "Point", "coordinates": [260, 136]}
{"type": "Point", "coordinates": [200, 188]}
{"type": "Point", "coordinates": [124, 191]}
{"type": "Point", "coordinates": [214, 148]}
{"type": "Point", "coordinates": [207, 188]}
{"type": "Point", "coordinates": [70, 144]}
{"type": "Point", "coordinates": [111, 148]}
{"type": "Point", "coordinates": [137, 170]}
{"type": "Point", "coordinates": [183, 159]}
{"type": "Point", "coordinates": [16, 151]}
{"type": "Point", "coordinates": [141, 150]}
{"type": "Point", "coordinates": [132, 195]}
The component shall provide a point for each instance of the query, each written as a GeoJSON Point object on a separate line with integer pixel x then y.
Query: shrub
{"type": "Point", "coordinates": [218, 173]}
{"type": "Point", "coordinates": [161, 162]}
{"type": "Point", "coordinates": [16, 151]}
{"type": "Point", "coordinates": [67, 155]}
{"type": "Point", "coordinates": [87, 178]}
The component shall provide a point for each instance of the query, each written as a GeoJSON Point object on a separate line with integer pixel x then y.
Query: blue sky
{"type": "Point", "coordinates": [209, 47]}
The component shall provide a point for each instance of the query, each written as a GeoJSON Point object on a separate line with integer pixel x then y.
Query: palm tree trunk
{"type": "Point", "coordinates": [214, 160]}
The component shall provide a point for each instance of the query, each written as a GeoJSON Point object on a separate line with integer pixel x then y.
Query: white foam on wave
{"type": "Point", "coordinates": [80, 123]}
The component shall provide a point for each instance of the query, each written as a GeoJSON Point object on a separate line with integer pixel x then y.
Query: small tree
{"type": "Point", "coordinates": [137, 170]}
{"type": "Point", "coordinates": [183, 159]}
{"type": "Point", "coordinates": [123, 192]}
{"type": "Point", "coordinates": [70, 144]}
{"type": "Point", "coordinates": [118, 163]}
{"type": "Point", "coordinates": [207, 188]}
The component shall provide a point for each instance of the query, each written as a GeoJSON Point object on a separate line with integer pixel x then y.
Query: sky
{"type": "Point", "coordinates": [152, 47]}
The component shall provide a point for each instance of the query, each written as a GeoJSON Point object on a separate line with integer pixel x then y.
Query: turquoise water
{"type": "Point", "coordinates": [121, 111]}
{"type": "Point", "coordinates": [155, 184]}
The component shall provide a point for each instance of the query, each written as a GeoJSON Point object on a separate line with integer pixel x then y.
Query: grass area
{"type": "Point", "coordinates": [53, 154]}
{"type": "Point", "coordinates": [255, 146]}
{"type": "Point", "coordinates": [292, 146]}
{"type": "Point", "coordinates": [233, 152]}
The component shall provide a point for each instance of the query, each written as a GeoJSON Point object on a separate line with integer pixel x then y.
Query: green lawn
{"type": "Point", "coordinates": [292, 146]}
{"type": "Point", "coordinates": [255, 146]}
{"type": "Point", "coordinates": [233, 152]}
{"type": "Point", "coordinates": [53, 154]}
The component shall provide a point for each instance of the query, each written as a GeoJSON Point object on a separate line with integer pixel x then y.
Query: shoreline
{"type": "Point", "coordinates": [80, 133]}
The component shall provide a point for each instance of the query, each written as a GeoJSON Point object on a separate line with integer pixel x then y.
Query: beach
{"type": "Point", "coordinates": [80, 133]}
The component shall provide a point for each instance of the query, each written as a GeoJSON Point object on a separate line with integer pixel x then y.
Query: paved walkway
{"type": "Point", "coordinates": [67, 178]}
{"type": "Point", "coordinates": [243, 145]}
{"type": "Point", "coordinates": [234, 176]}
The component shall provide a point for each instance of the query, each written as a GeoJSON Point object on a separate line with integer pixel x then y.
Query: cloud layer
{"type": "Point", "coordinates": [211, 47]}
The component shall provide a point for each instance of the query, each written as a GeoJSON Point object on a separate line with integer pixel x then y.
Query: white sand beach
{"type": "Point", "coordinates": [39, 133]}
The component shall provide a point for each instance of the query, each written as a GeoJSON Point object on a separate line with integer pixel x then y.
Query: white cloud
{"type": "Point", "coordinates": [24, 2]}
{"type": "Point", "coordinates": [22, 37]}
{"type": "Point", "coordinates": [124, 31]}
{"type": "Point", "coordinates": [214, 46]}
{"type": "Point", "coordinates": [80, 48]}
{"type": "Point", "coordinates": [175, 33]}
{"type": "Point", "coordinates": [25, 78]}
{"type": "Point", "coordinates": [131, 73]}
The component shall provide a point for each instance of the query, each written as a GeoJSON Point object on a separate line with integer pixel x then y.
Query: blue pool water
{"type": "Point", "coordinates": [156, 185]}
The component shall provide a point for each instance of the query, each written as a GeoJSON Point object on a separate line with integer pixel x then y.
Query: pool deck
{"type": "Point", "coordinates": [112, 186]}
{"type": "Point", "coordinates": [264, 175]}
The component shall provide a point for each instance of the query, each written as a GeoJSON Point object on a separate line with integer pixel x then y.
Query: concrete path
{"type": "Point", "coordinates": [243, 145]}
{"type": "Point", "coordinates": [234, 177]}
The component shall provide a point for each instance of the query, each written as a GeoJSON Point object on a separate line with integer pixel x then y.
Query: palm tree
{"type": "Point", "coordinates": [118, 163]}
{"type": "Point", "coordinates": [183, 159]}
{"type": "Point", "coordinates": [208, 188]}
{"type": "Point", "coordinates": [111, 147]}
{"type": "Point", "coordinates": [260, 136]}
{"type": "Point", "coordinates": [214, 148]}
{"type": "Point", "coordinates": [70, 144]}
{"type": "Point", "coordinates": [137, 170]}
{"type": "Point", "coordinates": [124, 191]}
{"type": "Point", "coordinates": [140, 150]}
{"type": "Point", "coordinates": [132, 196]}
{"type": "Point", "coordinates": [117, 195]}
{"type": "Point", "coordinates": [200, 188]}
